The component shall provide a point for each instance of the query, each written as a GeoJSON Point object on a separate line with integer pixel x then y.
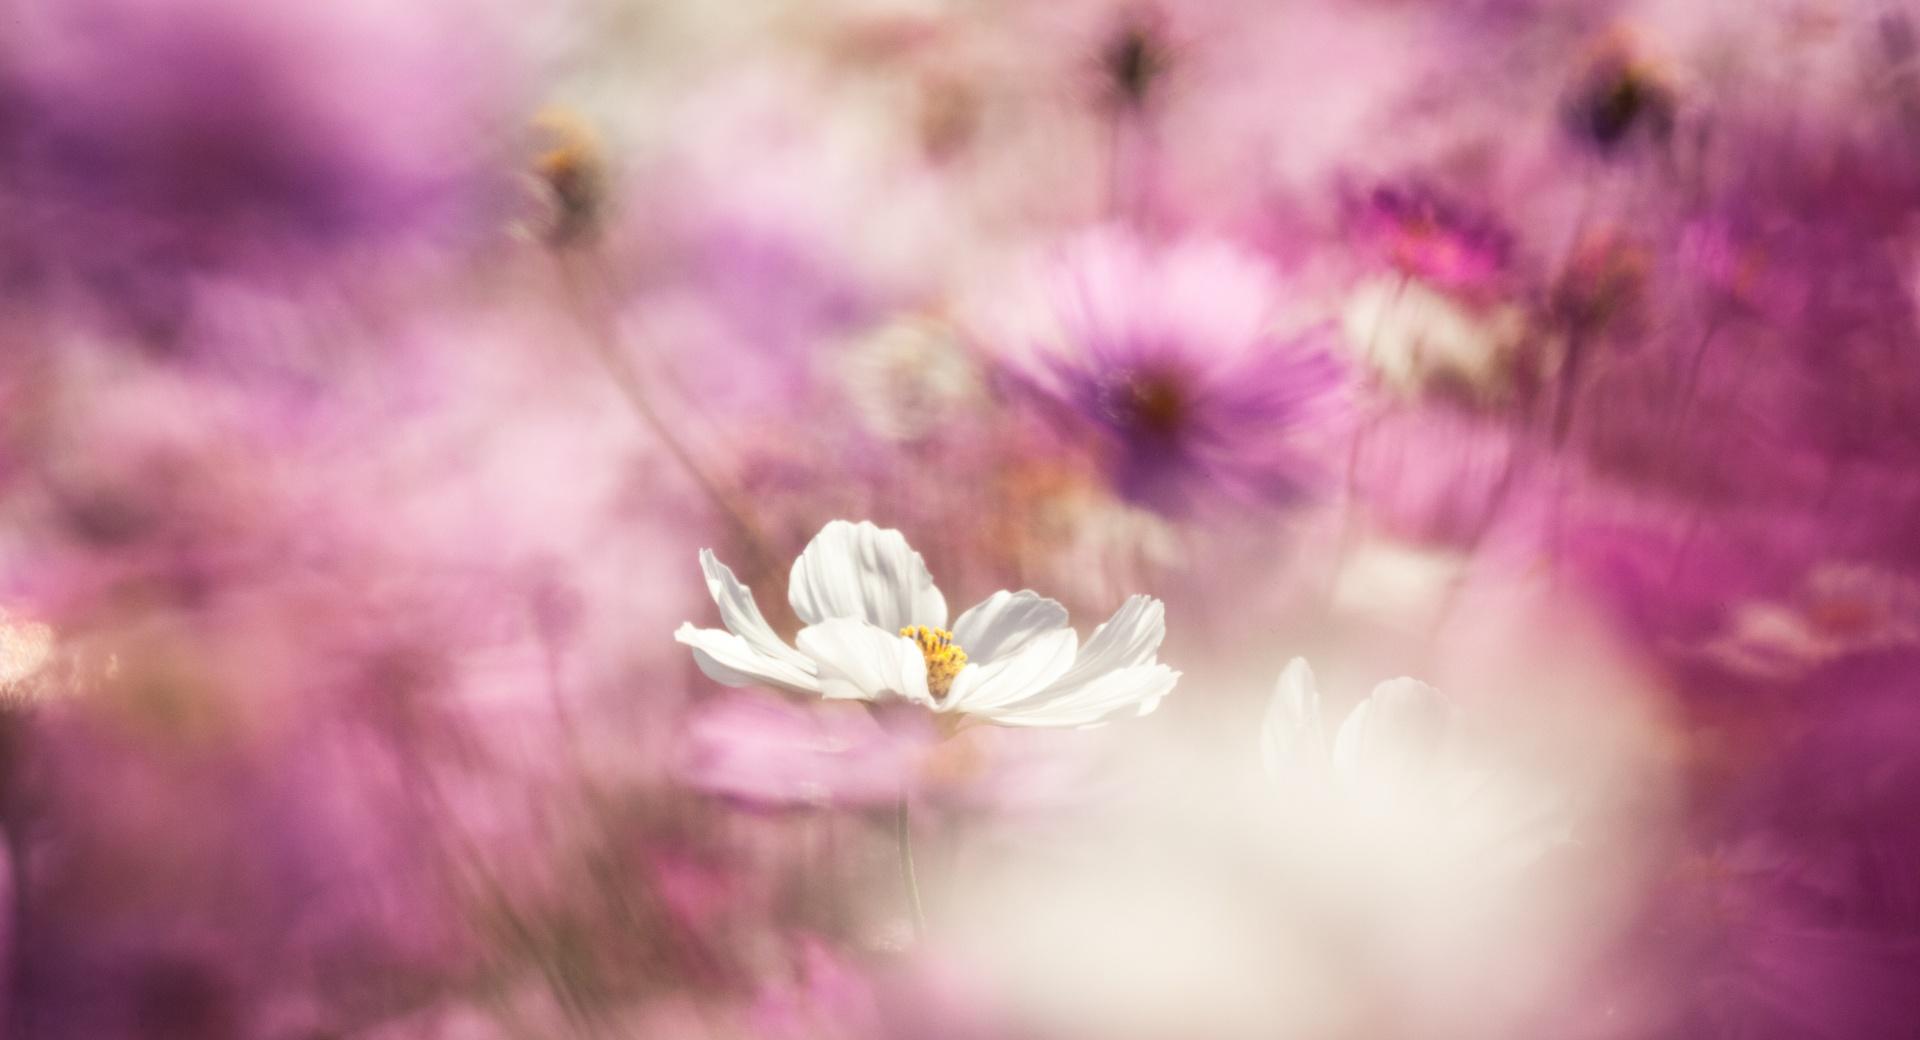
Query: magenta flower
{"type": "Point", "coordinates": [769, 752]}
{"type": "Point", "coordinates": [1175, 357]}
{"type": "Point", "coordinates": [185, 133]}
{"type": "Point", "coordinates": [1419, 232]}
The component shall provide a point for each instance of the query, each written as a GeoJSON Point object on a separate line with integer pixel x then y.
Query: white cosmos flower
{"type": "Point", "coordinates": [876, 631]}
{"type": "Point", "coordinates": [1839, 609]}
{"type": "Point", "coordinates": [1400, 777]}
{"type": "Point", "coordinates": [25, 647]}
{"type": "Point", "coordinates": [1413, 337]}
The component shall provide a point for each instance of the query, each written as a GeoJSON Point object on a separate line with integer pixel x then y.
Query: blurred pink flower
{"type": "Point", "coordinates": [1178, 359]}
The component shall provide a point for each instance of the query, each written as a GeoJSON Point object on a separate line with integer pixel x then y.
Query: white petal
{"type": "Point", "coordinates": [857, 661]}
{"type": "Point", "coordinates": [742, 615]}
{"type": "Point", "coordinates": [730, 659]}
{"type": "Point", "coordinates": [864, 572]}
{"type": "Point", "coordinates": [1006, 622]}
{"type": "Point", "coordinates": [1114, 674]}
{"type": "Point", "coordinates": [1129, 691]}
{"type": "Point", "coordinates": [1129, 639]}
{"type": "Point", "coordinates": [1389, 748]}
{"type": "Point", "coordinates": [1013, 677]}
{"type": "Point", "coordinates": [1291, 736]}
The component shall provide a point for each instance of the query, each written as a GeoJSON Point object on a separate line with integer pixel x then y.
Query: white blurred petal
{"type": "Point", "coordinates": [864, 572]}
{"type": "Point", "coordinates": [1011, 677]}
{"type": "Point", "coordinates": [1127, 640]}
{"type": "Point", "coordinates": [858, 661]}
{"type": "Point", "coordinates": [1129, 691]}
{"type": "Point", "coordinates": [742, 615]}
{"type": "Point", "coordinates": [730, 659]}
{"type": "Point", "coordinates": [1389, 748]}
{"type": "Point", "coordinates": [1291, 736]}
{"type": "Point", "coordinates": [1005, 623]}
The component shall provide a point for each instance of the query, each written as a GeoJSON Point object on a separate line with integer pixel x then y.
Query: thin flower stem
{"type": "Point", "coordinates": [20, 1010]}
{"type": "Point", "coordinates": [605, 345]}
{"type": "Point", "coordinates": [1691, 388]}
{"type": "Point", "coordinates": [17, 989]}
{"type": "Point", "coordinates": [903, 830]}
{"type": "Point", "coordinates": [1569, 387]}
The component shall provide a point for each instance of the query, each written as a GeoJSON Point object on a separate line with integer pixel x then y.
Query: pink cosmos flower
{"type": "Point", "coordinates": [1178, 360]}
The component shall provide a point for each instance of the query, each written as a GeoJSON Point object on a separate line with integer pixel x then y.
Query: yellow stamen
{"type": "Point", "coordinates": [574, 172]}
{"type": "Point", "coordinates": [944, 656]}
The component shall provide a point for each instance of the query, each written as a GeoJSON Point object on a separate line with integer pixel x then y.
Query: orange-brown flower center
{"type": "Point", "coordinates": [944, 656]}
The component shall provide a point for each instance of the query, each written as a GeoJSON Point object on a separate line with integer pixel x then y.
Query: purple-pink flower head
{"type": "Point", "coordinates": [1429, 237]}
{"type": "Point", "coordinates": [185, 131]}
{"type": "Point", "coordinates": [1176, 358]}
{"type": "Point", "coordinates": [1735, 271]}
{"type": "Point", "coordinates": [1604, 284]}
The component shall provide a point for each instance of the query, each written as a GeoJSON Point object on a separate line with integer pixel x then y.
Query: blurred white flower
{"type": "Point", "coordinates": [909, 378]}
{"type": "Point", "coordinates": [1413, 336]}
{"type": "Point", "coordinates": [1838, 609]}
{"type": "Point", "coordinates": [1399, 777]}
{"type": "Point", "coordinates": [1398, 583]}
{"type": "Point", "coordinates": [25, 647]}
{"type": "Point", "coordinates": [875, 631]}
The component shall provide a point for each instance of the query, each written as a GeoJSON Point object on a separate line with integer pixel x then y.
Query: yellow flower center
{"type": "Point", "coordinates": [944, 656]}
{"type": "Point", "coordinates": [574, 172]}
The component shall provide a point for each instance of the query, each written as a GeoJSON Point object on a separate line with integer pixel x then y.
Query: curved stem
{"type": "Point", "coordinates": [16, 986]}
{"type": "Point", "coordinates": [903, 831]}
{"type": "Point", "coordinates": [1569, 388]}
{"type": "Point", "coordinates": [1689, 389]}
{"type": "Point", "coordinates": [19, 968]}
{"type": "Point", "coordinates": [603, 340]}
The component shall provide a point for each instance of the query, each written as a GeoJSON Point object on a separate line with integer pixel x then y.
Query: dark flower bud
{"type": "Point", "coordinates": [1133, 62]}
{"type": "Point", "coordinates": [572, 174]}
{"type": "Point", "coordinates": [1620, 95]}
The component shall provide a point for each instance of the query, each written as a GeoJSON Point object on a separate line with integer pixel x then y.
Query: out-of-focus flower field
{"type": "Point", "coordinates": [959, 520]}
